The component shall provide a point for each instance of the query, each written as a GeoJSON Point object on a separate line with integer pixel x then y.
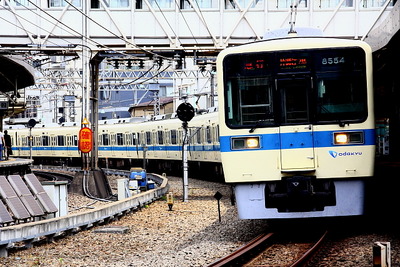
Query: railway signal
{"type": "Point", "coordinates": [185, 113]}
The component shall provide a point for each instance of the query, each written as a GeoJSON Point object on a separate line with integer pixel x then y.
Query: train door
{"type": "Point", "coordinates": [53, 145]}
{"type": "Point", "coordinates": [70, 145]}
{"type": "Point", "coordinates": [114, 144]}
{"type": "Point", "coordinates": [129, 144]}
{"type": "Point", "coordinates": [296, 130]}
{"type": "Point", "coordinates": [167, 143]}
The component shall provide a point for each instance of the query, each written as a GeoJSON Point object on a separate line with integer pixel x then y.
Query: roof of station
{"type": "Point", "coordinates": [15, 73]}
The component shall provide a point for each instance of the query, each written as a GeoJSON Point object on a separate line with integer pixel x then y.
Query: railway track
{"type": "Point", "coordinates": [264, 249]}
{"type": "Point", "coordinates": [54, 175]}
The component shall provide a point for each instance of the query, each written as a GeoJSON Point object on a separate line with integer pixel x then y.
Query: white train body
{"type": "Point", "coordinates": [162, 140]}
{"type": "Point", "coordinates": [284, 106]}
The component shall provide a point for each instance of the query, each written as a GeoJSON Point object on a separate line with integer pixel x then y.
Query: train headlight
{"type": "Point", "coordinates": [348, 138]}
{"type": "Point", "coordinates": [251, 142]}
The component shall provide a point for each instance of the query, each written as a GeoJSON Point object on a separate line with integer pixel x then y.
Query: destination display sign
{"type": "Point", "coordinates": [293, 63]}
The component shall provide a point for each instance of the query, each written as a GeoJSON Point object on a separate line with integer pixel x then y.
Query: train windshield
{"type": "Point", "coordinates": [298, 87]}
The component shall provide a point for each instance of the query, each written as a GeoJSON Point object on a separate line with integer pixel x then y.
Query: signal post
{"type": "Point", "coordinates": [185, 113]}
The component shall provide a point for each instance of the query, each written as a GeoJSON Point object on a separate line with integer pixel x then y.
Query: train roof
{"type": "Point", "coordinates": [122, 121]}
{"type": "Point", "coordinates": [294, 43]}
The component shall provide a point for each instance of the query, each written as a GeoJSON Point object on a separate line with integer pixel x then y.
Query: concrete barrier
{"type": "Point", "coordinates": [33, 231]}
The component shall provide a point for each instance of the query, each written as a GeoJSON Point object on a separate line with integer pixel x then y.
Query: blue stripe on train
{"type": "Point", "coordinates": [298, 140]}
{"type": "Point", "coordinates": [125, 148]}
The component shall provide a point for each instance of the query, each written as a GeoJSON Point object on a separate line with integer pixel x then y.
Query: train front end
{"type": "Point", "coordinates": [297, 126]}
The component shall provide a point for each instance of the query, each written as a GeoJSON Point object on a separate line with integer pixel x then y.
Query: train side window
{"type": "Point", "coordinates": [75, 140]}
{"type": "Point", "coordinates": [160, 135]}
{"type": "Point", "coordinates": [148, 138]}
{"type": "Point", "coordinates": [105, 139]}
{"type": "Point", "coordinates": [173, 137]}
{"type": "Point", "coordinates": [45, 140]}
{"type": "Point", "coordinates": [208, 135]}
{"type": "Point", "coordinates": [61, 140]}
{"type": "Point", "coordinates": [120, 139]}
{"type": "Point", "coordinates": [217, 133]}
{"type": "Point", "coordinates": [199, 133]}
{"type": "Point", "coordinates": [143, 138]}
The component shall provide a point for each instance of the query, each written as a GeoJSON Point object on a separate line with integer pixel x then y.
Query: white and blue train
{"type": "Point", "coordinates": [122, 143]}
{"type": "Point", "coordinates": [294, 132]}
{"type": "Point", "coordinates": [296, 120]}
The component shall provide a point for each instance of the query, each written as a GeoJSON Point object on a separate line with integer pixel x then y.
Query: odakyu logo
{"type": "Point", "coordinates": [335, 154]}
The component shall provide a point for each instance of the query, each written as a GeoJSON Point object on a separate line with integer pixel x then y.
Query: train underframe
{"type": "Point", "coordinates": [300, 197]}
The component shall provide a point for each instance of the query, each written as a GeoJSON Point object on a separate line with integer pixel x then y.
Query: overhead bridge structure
{"type": "Point", "coordinates": [152, 25]}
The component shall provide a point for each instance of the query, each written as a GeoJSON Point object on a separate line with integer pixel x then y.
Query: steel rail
{"type": "Point", "coordinates": [309, 253]}
{"type": "Point", "coordinates": [242, 251]}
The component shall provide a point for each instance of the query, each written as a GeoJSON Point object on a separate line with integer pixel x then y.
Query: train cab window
{"type": "Point", "coordinates": [341, 88]}
{"type": "Point", "coordinates": [294, 95]}
{"type": "Point", "coordinates": [254, 98]}
{"type": "Point", "coordinates": [340, 99]}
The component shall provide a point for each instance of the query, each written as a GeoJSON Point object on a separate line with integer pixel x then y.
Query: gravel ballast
{"type": "Point", "coordinates": [189, 235]}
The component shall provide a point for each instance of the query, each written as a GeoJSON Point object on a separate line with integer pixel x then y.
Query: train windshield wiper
{"type": "Point", "coordinates": [258, 124]}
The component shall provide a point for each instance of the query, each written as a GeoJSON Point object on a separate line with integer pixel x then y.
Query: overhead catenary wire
{"type": "Point", "coordinates": [77, 33]}
{"type": "Point", "coordinates": [71, 31]}
{"type": "Point", "coordinates": [184, 19]}
{"type": "Point", "coordinates": [109, 31]}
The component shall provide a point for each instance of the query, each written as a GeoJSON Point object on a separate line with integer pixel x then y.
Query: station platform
{"type": "Point", "coordinates": [19, 166]}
